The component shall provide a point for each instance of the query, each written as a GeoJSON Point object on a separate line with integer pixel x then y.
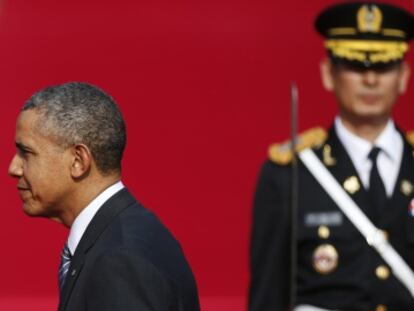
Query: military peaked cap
{"type": "Point", "coordinates": [366, 34]}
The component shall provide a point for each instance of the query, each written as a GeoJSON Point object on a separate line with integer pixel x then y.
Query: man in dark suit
{"type": "Point", "coordinates": [371, 161]}
{"type": "Point", "coordinates": [70, 139]}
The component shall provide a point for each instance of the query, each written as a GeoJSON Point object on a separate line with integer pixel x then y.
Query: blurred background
{"type": "Point", "coordinates": [204, 88]}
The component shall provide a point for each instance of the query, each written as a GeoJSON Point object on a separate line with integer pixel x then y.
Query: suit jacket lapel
{"type": "Point", "coordinates": [71, 277]}
{"type": "Point", "coordinates": [109, 210]}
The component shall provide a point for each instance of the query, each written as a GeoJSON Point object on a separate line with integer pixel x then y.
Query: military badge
{"type": "Point", "coordinates": [369, 18]}
{"type": "Point", "coordinates": [325, 259]}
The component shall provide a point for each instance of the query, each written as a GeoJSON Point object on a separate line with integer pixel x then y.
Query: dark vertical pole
{"type": "Point", "coordinates": [294, 192]}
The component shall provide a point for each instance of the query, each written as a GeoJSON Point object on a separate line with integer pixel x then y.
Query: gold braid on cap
{"type": "Point", "coordinates": [367, 50]}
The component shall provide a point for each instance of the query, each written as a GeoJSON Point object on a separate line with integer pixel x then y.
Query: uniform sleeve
{"type": "Point", "coordinates": [269, 248]}
{"type": "Point", "coordinates": [123, 282]}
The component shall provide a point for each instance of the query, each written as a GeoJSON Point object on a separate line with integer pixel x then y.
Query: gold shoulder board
{"type": "Point", "coordinates": [282, 153]}
{"type": "Point", "coordinates": [410, 138]}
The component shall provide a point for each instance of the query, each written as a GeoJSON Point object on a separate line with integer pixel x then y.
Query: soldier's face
{"type": "Point", "coordinates": [365, 95]}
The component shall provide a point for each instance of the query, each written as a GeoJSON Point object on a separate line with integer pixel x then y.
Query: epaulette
{"type": "Point", "coordinates": [282, 153]}
{"type": "Point", "coordinates": [409, 136]}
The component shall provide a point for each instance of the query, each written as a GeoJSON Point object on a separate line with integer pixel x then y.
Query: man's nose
{"type": "Point", "coordinates": [370, 77]}
{"type": "Point", "coordinates": [15, 167]}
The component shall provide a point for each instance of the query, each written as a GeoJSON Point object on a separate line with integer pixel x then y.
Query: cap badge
{"type": "Point", "coordinates": [325, 259]}
{"type": "Point", "coordinates": [369, 18]}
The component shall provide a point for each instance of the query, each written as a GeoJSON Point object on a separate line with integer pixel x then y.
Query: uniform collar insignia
{"type": "Point", "coordinates": [327, 156]}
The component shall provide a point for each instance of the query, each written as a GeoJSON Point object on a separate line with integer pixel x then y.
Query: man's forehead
{"type": "Point", "coordinates": [33, 131]}
{"type": "Point", "coordinates": [28, 118]}
{"type": "Point", "coordinates": [25, 133]}
{"type": "Point", "coordinates": [27, 127]}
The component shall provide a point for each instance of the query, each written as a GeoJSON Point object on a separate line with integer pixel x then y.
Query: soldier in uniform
{"type": "Point", "coordinates": [370, 158]}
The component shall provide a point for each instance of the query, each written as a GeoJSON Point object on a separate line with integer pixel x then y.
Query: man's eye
{"type": "Point", "coordinates": [23, 152]}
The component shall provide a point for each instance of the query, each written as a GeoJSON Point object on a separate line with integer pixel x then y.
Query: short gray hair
{"type": "Point", "coordinates": [80, 113]}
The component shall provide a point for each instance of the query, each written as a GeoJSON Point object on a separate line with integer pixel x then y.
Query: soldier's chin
{"type": "Point", "coordinates": [372, 116]}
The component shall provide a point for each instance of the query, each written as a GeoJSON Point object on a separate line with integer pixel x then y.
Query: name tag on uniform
{"type": "Point", "coordinates": [323, 218]}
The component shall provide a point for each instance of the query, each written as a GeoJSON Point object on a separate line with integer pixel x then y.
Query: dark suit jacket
{"type": "Point", "coordinates": [360, 280]}
{"type": "Point", "coordinates": [127, 260]}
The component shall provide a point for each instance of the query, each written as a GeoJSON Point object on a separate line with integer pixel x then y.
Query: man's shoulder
{"type": "Point", "coordinates": [124, 221]}
{"type": "Point", "coordinates": [140, 228]}
{"type": "Point", "coordinates": [169, 281]}
{"type": "Point", "coordinates": [137, 232]}
{"type": "Point", "coordinates": [282, 153]}
{"type": "Point", "coordinates": [409, 137]}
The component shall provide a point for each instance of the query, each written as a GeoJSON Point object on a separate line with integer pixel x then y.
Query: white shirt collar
{"type": "Point", "coordinates": [388, 141]}
{"type": "Point", "coordinates": [358, 148]}
{"type": "Point", "coordinates": [85, 217]}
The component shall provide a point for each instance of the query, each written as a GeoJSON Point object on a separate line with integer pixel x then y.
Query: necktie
{"type": "Point", "coordinates": [378, 196]}
{"type": "Point", "coordinates": [64, 265]}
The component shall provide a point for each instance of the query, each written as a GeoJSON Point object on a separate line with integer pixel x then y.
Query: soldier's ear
{"type": "Point", "coordinates": [405, 71]}
{"type": "Point", "coordinates": [327, 74]}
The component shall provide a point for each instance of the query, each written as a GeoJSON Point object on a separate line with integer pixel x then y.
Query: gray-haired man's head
{"type": "Point", "coordinates": [79, 113]}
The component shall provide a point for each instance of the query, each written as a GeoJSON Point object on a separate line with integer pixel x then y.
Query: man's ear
{"type": "Point", "coordinates": [327, 74]}
{"type": "Point", "coordinates": [405, 71]}
{"type": "Point", "coordinates": [82, 161]}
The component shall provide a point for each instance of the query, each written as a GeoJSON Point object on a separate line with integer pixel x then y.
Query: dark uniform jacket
{"type": "Point", "coordinates": [336, 268]}
{"type": "Point", "coordinates": [127, 260]}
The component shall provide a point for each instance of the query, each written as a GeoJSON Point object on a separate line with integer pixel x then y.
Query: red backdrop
{"type": "Point", "coordinates": [204, 88]}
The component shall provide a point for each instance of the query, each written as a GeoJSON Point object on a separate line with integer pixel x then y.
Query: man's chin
{"type": "Point", "coordinates": [32, 211]}
{"type": "Point", "coordinates": [370, 115]}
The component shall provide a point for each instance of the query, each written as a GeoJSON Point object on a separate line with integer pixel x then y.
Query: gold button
{"type": "Point", "coordinates": [382, 272]}
{"type": "Point", "coordinates": [381, 308]}
{"type": "Point", "coordinates": [323, 232]}
{"type": "Point", "coordinates": [406, 187]}
{"type": "Point", "coordinates": [351, 184]}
